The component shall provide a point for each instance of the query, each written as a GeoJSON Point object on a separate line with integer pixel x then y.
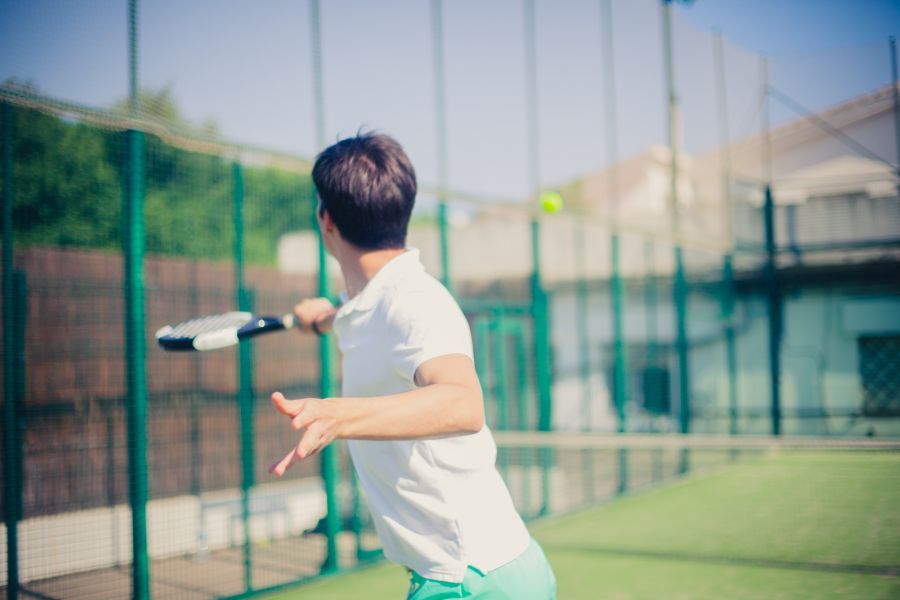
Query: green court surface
{"type": "Point", "coordinates": [791, 525]}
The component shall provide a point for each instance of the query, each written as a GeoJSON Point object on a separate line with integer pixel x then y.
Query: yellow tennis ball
{"type": "Point", "coordinates": [551, 202]}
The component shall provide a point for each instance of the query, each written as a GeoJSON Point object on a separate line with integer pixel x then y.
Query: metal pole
{"type": "Point", "coordinates": [620, 355]}
{"type": "Point", "coordinates": [330, 472]}
{"type": "Point", "coordinates": [584, 355]}
{"type": "Point", "coordinates": [202, 541]}
{"type": "Point", "coordinates": [522, 408]}
{"type": "Point", "coordinates": [582, 327]}
{"type": "Point", "coordinates": [765, 126]}
{"type": "Point", "coordinates": [680, 282]}
{"type": "Point", "coordinates": [531, 101]}
{"type": "Point", "coordinates": [501, 374]}
{"type": "Point", "coordinates": [652, 379]}
{"type": "Point", "coordinates": [133, 91]}
{"type": "Point", "coordinates": [135, 345]}
{"type": "Point", "coordinates": [245, 372]}
{"type": "Point", "coordinates": [539, 299]}
{"type": "Point", "coordinates": [540, 308]}
{"type": "Point", "coordinates": [896, 91]}
{"type": "Point", "coordinates": [620, 372]}
{"type": "Point", "coordinates": [680, 289]}
{"type": "Point", "coordinates": [652, 314]}
{"type": "Point", "coordinates": [483, 363]}
{"type": "Point", "coordinates": [775, 314]}
{"type": "Point", "coordinates": [728, 299]}
{"type": "Point", "coordinates": [440, 115]}
{"type": "Point", "coordinates": [135, 359]}
{"type": "Point", "coordinates": [773, 292]}
{"type": "Point", "coordinates": [318, 85]}
{"type": "Point", "coordinates": [12, 488]}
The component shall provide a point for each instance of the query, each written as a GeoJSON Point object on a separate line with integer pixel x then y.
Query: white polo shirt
{"type": "Point", "coordinates": [439, 505]}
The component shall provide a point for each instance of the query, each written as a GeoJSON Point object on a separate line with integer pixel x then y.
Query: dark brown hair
{"type": "Point", "coordinates": [368, 186]}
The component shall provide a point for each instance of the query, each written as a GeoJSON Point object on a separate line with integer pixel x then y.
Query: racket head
{"type": "Point", "coordinates": [204, 333]}
{"type": "Point", "coordinates": [219, 331]}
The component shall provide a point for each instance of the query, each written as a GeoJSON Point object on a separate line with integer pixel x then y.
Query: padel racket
{"type": "Point", "coordinates": [219, 331]}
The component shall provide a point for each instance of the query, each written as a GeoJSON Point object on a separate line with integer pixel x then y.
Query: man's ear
{"type": "Point", "coordinates": [327, 222]}
{"type": "Point", "coordinates": [325, 219]}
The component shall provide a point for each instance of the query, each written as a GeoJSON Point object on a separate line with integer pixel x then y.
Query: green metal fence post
{"type": "Point", "coordinates": [653, 391]}
{"type": "Point", "coordinates": [770, 270]}
{"type": "Point", "coordinates": [330, 468]}
{"type": "Point", "coordinates": [620, 356]}
{"type": "Point", "coordinates": [521, 383]}
{"type": "Point", "coordinates": [135, 351]}
{"type": "Point", "coordinates": [773, 295]}
{"type": "Point", "coordinates": [539, 300]}
{"type": "Point", "coordinates": [135, 344]}
{"type": "Point", "coordinates": [356, 524]}
{"type": "Point", "coordinates": [727, 298]}
{"type": "Point", "coordinates": [330, 471]}
{"type": "Point", "coordinates": [728, 305]}
{"type": "Point", "coordinates": [584, 354]}
{"type": "Point", "coordinates": [440, 115]}
{"type": "Point", "coordinates": [896, 95]}
{"type": "Point", "coordinates": [501, 376]}
{"type": "Point", "coordinates": [521, 361]}
{"type": "Point", "coordinates": [581, 326]}
{"type": "Point", "coordinates": [680, 282]}
{"type": "Point", "coordinates": [620, 365]}
{"type": "Point", "coordinates": [501, 380]}
{"type": "Point", "coordinates": [684, 387]}
{"type": "Point", "coordinates": [12, 472]}
{"type": "Point", "coordinates": [244, 300]}
{"type": "Point", "coordinates": [542, 367]}
{"type": "Point", "coordinates": [16, 426]}
{"type": "Point", "coordinates": [444, 232]}
{"type": "Point", "coordinates": [482, 335]}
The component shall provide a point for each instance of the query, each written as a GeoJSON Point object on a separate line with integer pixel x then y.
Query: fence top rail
{"type": "Point", "coordinates": [170, 133]}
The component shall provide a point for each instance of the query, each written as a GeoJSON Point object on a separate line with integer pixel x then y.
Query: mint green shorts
{"type": "Point", "coordinates": [528, 577]}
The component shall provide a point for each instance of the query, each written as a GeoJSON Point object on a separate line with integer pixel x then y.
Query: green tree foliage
{"type": "Point", "coordinates": [277, 202]}
{"type": "Point", "coordinates": [187, 208]}
{"type": "Point", "coordinates": [68, 186]}
{"type": "Point", "coordinates": [66, 191]}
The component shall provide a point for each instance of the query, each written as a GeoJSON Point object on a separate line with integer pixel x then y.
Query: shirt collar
{"type": "Point", "coordinates": [394, 270]}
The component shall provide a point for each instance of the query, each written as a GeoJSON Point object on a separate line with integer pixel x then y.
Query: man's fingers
{"type": "Point", "coordinates": [302, 419]}
{"type": "Point", "coordinates": [310, 443]}
{"type": "Point", "coordinates": [310, 311]}
{"type": "Point", "coordinates": [305, 414]}
{"type": "Point", "coordinates": [285, 463]}
{"type": "Point", "coordinates": [286, 407]}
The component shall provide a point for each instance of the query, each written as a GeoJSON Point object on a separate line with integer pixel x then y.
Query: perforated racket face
{"type": "Point", "coordinates": [204, 333]}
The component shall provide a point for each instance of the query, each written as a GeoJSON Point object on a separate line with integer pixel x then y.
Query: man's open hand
{"type": "Point", "coordinates": [318, 421]}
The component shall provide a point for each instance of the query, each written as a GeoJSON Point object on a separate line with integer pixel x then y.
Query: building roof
{"type": "Point", "coordinates": [704, 170]}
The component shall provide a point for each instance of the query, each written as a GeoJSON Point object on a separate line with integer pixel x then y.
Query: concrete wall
{"type": "Point", "coordinates": [100, 538]}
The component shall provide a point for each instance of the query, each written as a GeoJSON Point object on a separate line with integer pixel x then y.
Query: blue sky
{"type": "Point", "coordinates": [246, 65]}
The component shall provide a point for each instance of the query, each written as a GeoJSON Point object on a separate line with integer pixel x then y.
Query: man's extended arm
{"type": "Point", "coordinates": [447, 402]}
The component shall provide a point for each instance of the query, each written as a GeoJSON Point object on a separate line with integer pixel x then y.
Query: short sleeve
{"type": "Point", "coordinates": [428, 326]}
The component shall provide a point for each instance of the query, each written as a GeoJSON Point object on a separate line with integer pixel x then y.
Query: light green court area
{"type": "Point", "coordinates": [792, 525]}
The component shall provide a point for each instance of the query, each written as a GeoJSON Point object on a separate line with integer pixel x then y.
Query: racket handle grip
{"type": "Point", "coordinates": [289, 321]}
